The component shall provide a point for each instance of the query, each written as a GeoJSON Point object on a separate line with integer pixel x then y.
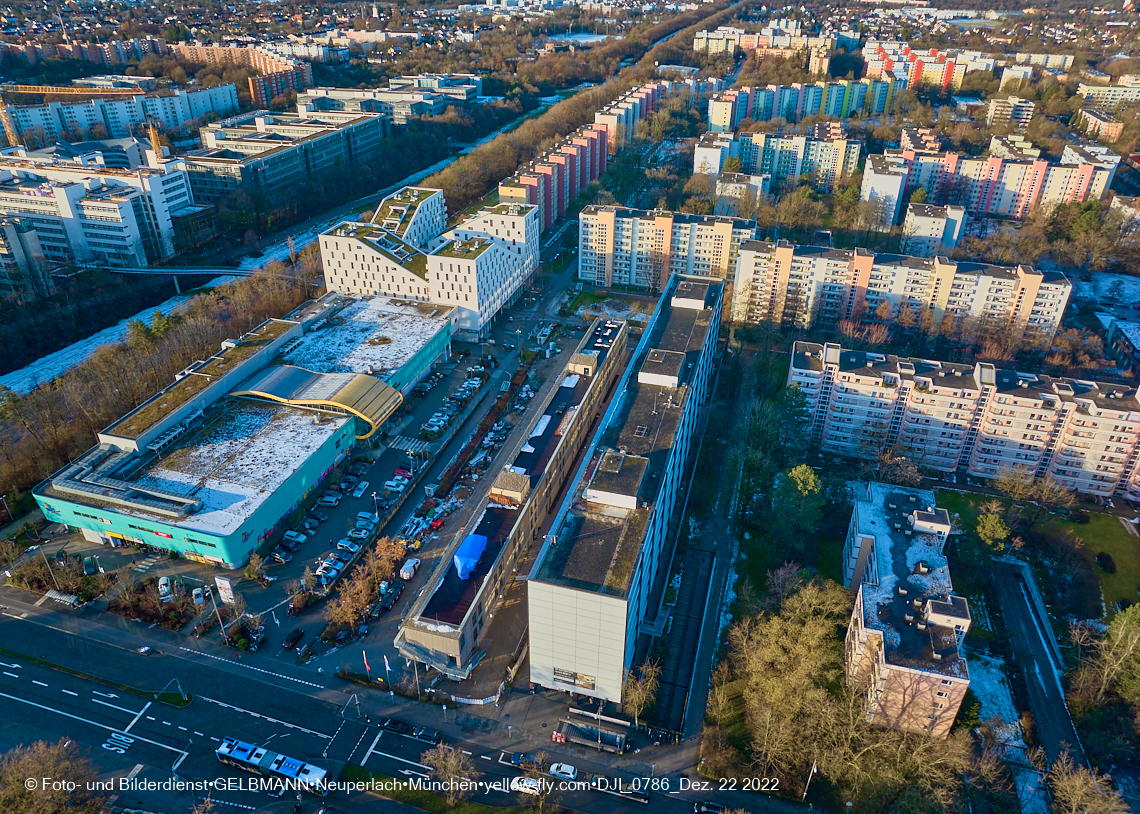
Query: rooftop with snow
{"type": "Point", "coordinates": [374, 336]}
{"type": "Point", "coordinates": [896, 543]}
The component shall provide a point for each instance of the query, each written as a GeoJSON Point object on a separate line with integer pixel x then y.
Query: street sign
{"type": "Point", "coordinates": [225, 589]}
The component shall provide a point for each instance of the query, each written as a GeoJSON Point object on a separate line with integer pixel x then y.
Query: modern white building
{"type": "Point", "coordinates": [400, 105]}
{"type": "Point", "coordinates": [805, 285]}
{"type": "Point", "coordinates": [477, 268]}
{"type": "Point", "coordinates": [931, 230]}
{"type": "Point", "coordinates": [979, 418]}
{"type": "Point", "coordinates": [588, 591]}
{"type": "Point", "coordinates": [1108, 97]}
{"type": "Point", "coordinates": [826, 160]}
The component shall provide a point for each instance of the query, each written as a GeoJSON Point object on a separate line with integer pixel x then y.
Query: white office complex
{"type": "Point", "coordinates": [929, 231]}
{"type": "Point", "coordinates": [42, 124]}
{"type": "Point", "coordinates": [642, 248]}
{"type": "Point", "coordinates": [588, 591]}
{"type": "Point", "coordinates": [402, 104]}
{"type": "Point", "coordinates": [980, 418]}
{"type": "Point", "coordinates": [993, 185]}
{"type": "Point", "coordinates": [808, 285]}
{"type": "Point", "coordinates": [478, 267]}
{"type": "Point", "coordinates": [93, 214]}
{"type": "Point", "coordinates": [827, 157]}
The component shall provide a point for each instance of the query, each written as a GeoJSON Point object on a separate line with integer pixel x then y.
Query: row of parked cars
{"type": "Point", "coordinates": [426, 386]}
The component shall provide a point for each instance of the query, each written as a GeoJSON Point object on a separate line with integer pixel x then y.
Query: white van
{"type": "Point", "coordinates": [409, 568]}
{"type": "Point", "coordinates": [164, 589]}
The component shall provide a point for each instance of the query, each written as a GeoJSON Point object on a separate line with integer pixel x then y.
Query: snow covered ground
{"type": "Point", "coordinates": [355, 344]}
{"type": "Point", "coordinates": [614, 309]}
{"type": "Point", "coordinates": [48, 367]}
{"type": "Point", "coordinates": [1101, 282]}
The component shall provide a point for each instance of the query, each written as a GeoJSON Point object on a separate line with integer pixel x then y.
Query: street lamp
{"type": "Point", "coordinates": [374, 506]}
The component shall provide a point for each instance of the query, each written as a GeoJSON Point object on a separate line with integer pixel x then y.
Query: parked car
{"type": "Point", "coordinates": [360, 489]}
{"type": "Point", "coordinates": [526, 785]}
{"type": "Point", "coordinates": [281, 556]}
{"type": "Point", "coordinates": [348, 545]}
{"type": "Point", "coordinates": [395, 486]}
{"type": "Point", "coordinates": [328, 570]}
{"type": "Point", "coordinates": [319, 515]}
{"type": "Point", "coordinates": [392, 725]}
{"type": "Point", "coordinates": [367, 516]}
{"type": "Point", "coordinates": [524, 760]}
{"type": "Point", "coordinates": [409, 568]}
{"type": "Point", "coordinates": [563, 771]}
{"type": "Point", "coordinates": [367, 525]}
{"type": "Point", "coordinates": [198, 597]}
{"type": "Point", "coordinates": [88, 566]}
{"type": "Point", "coordinates": [289, 545]}
{"type": "Point", "coordinates": [339, 556]}
{"type": "Point", "coordinates": [637, 795]}
{"type": "Point", "coordinates": [292, 639]}
{"type": "Point", "coordinates": [401, 471]}
{"type": "Point", "coordinates": [329, 500]}
{"type": "Point", "coordinates": [422, 733]}
{"type": "Point", "coordinates": [708, 808]}
{"type": "Point", "coordinates": [359, 534]}
{"type": "Point", "coordinates": [164, 592]}
{"type": "Point", "coordinates": [295, 536]}
{"type": "Point", "coordinates": [358, 469]}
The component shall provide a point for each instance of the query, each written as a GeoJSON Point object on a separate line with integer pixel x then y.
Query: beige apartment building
{"type": "Point", "coordinates": [978, 418]}
{"type": "Point", "coordinates": [805, 285]}
{"type": "Point", "coordinates": [903, 643]}
{"type": "Point", "coordinates": [640, 248]}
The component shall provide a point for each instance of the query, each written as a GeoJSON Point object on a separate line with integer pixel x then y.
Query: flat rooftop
{"type": "Point", "coordinates": [396, 211]}
{"type": "Point", "coordinates": [231, 464]}
{"type": "Point", "coordinates": [453, 596]}
{"type": "Point", "coordinates": [597, 545]}
{"type": "Point", "coordinates": [914, 563]}
{"type": "Point", "coordinates": [373, 336]}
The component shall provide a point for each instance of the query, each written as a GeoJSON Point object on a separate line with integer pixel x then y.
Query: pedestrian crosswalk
{"type": "Point", "coordinates": [146, 564]}
{"type": "Point", "coordinates": [410, 444]}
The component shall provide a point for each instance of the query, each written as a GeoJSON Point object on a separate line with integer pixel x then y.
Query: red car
{"type": "Point", "coordinates": [437, 524]}
{"type": "Point", "coordinates": [401, 472]}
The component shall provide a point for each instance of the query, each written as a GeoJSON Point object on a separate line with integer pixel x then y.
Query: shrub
{"type": "Point", "coordinates": [243, 644]}
{"type": "Point", "coordinates": [1104, 560]}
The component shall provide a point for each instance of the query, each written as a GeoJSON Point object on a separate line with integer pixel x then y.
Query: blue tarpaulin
{"type": "Point", "coordinates": [470, 550]}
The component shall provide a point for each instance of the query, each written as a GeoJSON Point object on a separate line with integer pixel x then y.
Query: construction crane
{"type": "Point", "coordinates": [7, 90]}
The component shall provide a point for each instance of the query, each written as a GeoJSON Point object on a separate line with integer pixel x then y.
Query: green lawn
{"type": "Point", "coordinates": [1103, 532]}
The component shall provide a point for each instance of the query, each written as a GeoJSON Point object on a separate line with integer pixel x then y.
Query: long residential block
{"type": "Point", "coordinates": [842, 98]}
{"type": "Point", "coordinates": [785, 158]}
{"type": "Point", "coordinates": [980, 418]}
{"type": "Point", "coordinates": [806, 285]}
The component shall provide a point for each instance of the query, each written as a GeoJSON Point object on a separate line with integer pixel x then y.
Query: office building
{"type": "Point", "coordinates": [22, 268]}
{"type": "Point", "coordinates": [929, 231]}
{"type": "Point", "coordinates": [401, 106]}
{"type": "Point", "coordinates": [120, 117]}
{"type": "Point", "coordinates": [985, 420]}
{"type": "Point", "coordinates": [273, 157]}
{"type": "Point", "coordinates": [643, 249]}
{"type": "Point", "coordinates": [589, 589]}
{"type": "Point", "coordinates": [446, 624]}
{"type": "Point", "coordinates": [216, 464]}
{"type": "Point", "coordinates": [1011, 111]}
{"type": "Point", "coordinates": [277, 74]}
{"type": "Point", "coordinates": [827, 160]}
{"type": "Point", "coordinates": [1099, 125]}
{"type": "Point", "coordinates": [807, 285]}
{"type": "Point", "coordinates": [1004, 187]}
{"type": "Point", "coordinates": [903, 648]}
{"type": "Point", "coordinates": [476, 268]}
{"type": "Point", "coordinates": [122, 153]}
{"type": "Point", "coordinates": [457, 87]}
{"type": "Point", "coordinates": [92, 213]}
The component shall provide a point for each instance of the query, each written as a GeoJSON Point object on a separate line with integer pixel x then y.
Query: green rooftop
{"type": "Point", "coordinates": [402, 205]}
{"type": "Point", "coordinates": [158, 407]}
{"type": "Point", "coordinates": [463, 249]}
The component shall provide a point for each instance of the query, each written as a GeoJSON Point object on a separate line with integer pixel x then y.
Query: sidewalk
{"type": "Point", "coordinates": [34, 517]}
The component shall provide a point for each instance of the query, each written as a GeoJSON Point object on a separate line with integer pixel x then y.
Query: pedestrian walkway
{"type": "Point", "coordinates": [148, 563]}
{"type": "Point", "coordinates": [410, 444]}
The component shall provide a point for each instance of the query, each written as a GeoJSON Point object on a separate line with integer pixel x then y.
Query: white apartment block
{"type": "Point", "coordinates": [639, 248]}
{"type": "Point", "coordinates": [94, 213]}
{"type": "Point", "coordinates": [1004, 187]}
{"type": "Point", "coordinates": [1060, 62]}
{"type": "Point", "coordinates": [982, 419]}
{"type": "Point", "coordinates": [477, 268]}
{"type": "Point", "coordinates": [805, 285]}
{"type": "Point", "coordinates": [1108, 97]}
{"type": "Point", "coordinates": [1012, 111]}
{"type": "Point", "coordinates": [45, 123]}
{"type": "Point", "coordinates": [784, 158]}
{"type": "Point", "coordinates": [931, 230]}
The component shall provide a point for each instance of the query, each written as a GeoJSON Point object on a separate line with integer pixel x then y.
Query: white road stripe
{"type": "Point", "coordinates": [184, 729]}
{"type": "Point", "coordinates": [265, 717]}
{"type": "Point", "coordinates": [174, 749]}
{"type": "Point", "coordinates": [255, 669]}
{"type": "Point", "coordinates": [40, 683]}
{"type": "Point", "coordinates": [69, 692]}
{"type": "Point", "coordinates": [114, 706]}
{"type": "Point", "coordinates": [371, 748]}
{"type": "Point", "coordinates": [150, 717]}
{"type": "Point", "coordinates": [485, 757]}
{"type": "Point", "coordinates": [136, 720]}
{"type": "Point", "coordinates": [199, 734]}
{"type": "Point", "coordinates": [10, 674]}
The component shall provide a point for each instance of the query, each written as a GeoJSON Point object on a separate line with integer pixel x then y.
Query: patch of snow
{"type": "Point", "coordinates": [349, 343]}
{"type": "Point", "coordinates": [988, 681]}
{"type": "Point", "coordinates": [1097, 288]}
{"type": "Point", "coordinates": [46, 368]}
{"type": "Point", "coordinates": [614, 309]}
{"type": "Point", "coordinates": [238, 462]}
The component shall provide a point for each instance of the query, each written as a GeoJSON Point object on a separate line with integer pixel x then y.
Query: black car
{"type": "Point", "coordinates": [637, 795]}
{"type": "Point", "coordinates": [289, 545]}
{"type": "Point", "coordinates": [292, 639]}
{"type": "Point", "coordinates": [524, 760]}
{"type": "Point", "coordinates": [392, 725]}
{"type": "Point", "coordinates": [422, 733]}
{"type": "Point", "coordinates": [708, 808]}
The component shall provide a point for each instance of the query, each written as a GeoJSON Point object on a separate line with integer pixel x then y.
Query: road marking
{"type": "Point", "coordinates": [41, 600]}
{"type": "Point", "coordinates": [150, 717]}
{"type": "Point", "coordinates": [184, 729]}
{"type": "Point", "coordinates": [256, 669]}
{"type": "Point", "coordinates": [485, 757]}
{"type": "Point", "coordinates": [136, 720]}
{"type": "Point", "coordinates": [178, 762]}
{"type": "Point", "coordinates": [39, 683]}
{"type": "Point", "coordinates": [392, 757]}
{"type": "Point", "coordinates": [464, 751]}
{"type": "Point", "coordinates": [13, 666]}
{"type": "Point", "coordinates": [235, 805]}
{"type": "Point", "coordinates": [199, 734]}
{"type": "Point", "coordinates": [166, 723]}
{"type": "Point", "coordinates": [372, 748]}
{"type": "Point", "coordinates": [10, 674]}
{"type": "Point", "coordinates": [69, 692]}
{"type": "Point", "coordinates": [89, 721]}
{"type": "Point", "coordinates": [265, 718]}
{"type": "Point", "coordinates": [113, 706]}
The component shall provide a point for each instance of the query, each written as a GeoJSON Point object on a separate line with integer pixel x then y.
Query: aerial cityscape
{"type": "Point", "coordinates": [570, 406]}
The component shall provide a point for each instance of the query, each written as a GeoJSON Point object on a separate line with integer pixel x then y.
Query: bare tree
{"type": "Point", "coordinates": [639, 691]}
{"type": "Point", "coordinates": [22, 791]}
{"type": "Point", "coordinates": [454, 769]}
{"type": "Point", "coordinates": [1077, 790]}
